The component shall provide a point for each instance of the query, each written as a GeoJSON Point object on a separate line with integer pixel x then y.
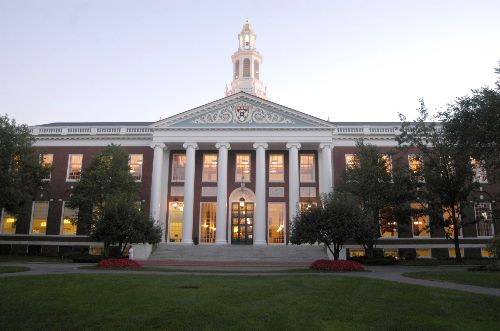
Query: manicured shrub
{"type": "Point", "coordinates": [118, 263]}
{"type": "Point", "coordinates": [337, 266]}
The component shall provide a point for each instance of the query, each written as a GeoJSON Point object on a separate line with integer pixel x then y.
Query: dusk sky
{"type": "Point", "coordinates": [100, 60]}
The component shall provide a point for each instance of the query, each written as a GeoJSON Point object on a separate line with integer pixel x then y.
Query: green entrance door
{"type": "Point", "coordinates": [242, 223]}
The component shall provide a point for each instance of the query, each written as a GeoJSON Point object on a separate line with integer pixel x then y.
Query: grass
{"type": "Point", "coordinates": [478, 278]}
{"type": "Point", "coordinates": [10, 269]}
{"type": "Point", "coordinates": [288, 302]}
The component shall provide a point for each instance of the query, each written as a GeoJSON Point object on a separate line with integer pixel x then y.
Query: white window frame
{"type": "Point", "coordinates": [477, 222]}
{"type": "Point", "coordinates": [62, 223]}
{"type": "Point", "coordinates": [42, 156]}
{"type": "Point", "coordinates": [284, 223]}
{"type": "Point", "coordinates": [32, 218]}
{"type": "Point", "coordinates": [428, 226]}
{"type": "Point", "coordinates": [199, 227]}
{"type": "Point", "coordinates": [282, 167]}
{"type": "Point", "coordinates": [462, 252]}
{"type": "Point", "coordinates": [478, 168]}
{"type": "Point", "coordinates": [203, 174]}
{"type": "Point", "coordinates": [414, 156]}
{"type": "Point", "coordinates": [423, 257]}
{"type": "Point", "coordinates": [236, 179]}
{"type": "Point", "coordinates": [140, 164]}
{"type": "Point", "coordinates": [169, 223]}
{"type": "Point", "coordinates": [172, 169]}
{"type": "Point", "coordinates": [68, 169]}
{"type": "Point", "coordinates": [313, 180]}
{"type": "Point", "coordinates": [347, 164]}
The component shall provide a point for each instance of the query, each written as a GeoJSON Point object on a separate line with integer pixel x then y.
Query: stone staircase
{"type": "Point", "coordinates": [239, 253]}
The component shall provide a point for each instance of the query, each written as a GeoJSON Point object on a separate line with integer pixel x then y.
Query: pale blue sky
{"type": "Point", "coordinates": [100, 60]}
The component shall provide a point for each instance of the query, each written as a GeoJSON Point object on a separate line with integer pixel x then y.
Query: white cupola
{"type": "Point", "coordinates": [247, 63]}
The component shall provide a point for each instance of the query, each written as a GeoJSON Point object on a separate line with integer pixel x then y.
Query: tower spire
{"type": "Point", "coordinates": [246, 65]}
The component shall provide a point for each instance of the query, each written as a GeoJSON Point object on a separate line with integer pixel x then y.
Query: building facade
{"type": "Point", "coordinates": [232, 172]}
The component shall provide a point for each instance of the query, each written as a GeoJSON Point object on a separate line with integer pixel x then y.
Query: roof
{"type": "Point", "coordinates": [96, 124]}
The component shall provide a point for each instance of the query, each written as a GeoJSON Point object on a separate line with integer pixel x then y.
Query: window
{"type": "Point", "coordinates": [237, 69]}
{"type": "Point", "coordinates": [135, 164]}
{"type": "Point", "coordinates": [486, 253]}
{"type": "Point", "coordinates": [69, 218]}
{"type": "Point", "coordinates": [479, 171]}
{"type": "Point", "coordinates": [178, 167]}
{"type": "Point", "coordinates": [39, 217]}
{"type": "Point", "coordinates": [451, 252]}
{"type": "Point", "coordinates": [390, 252]}
{"type": "Point", "coordinates": [8, 223]}
{"type": "Point", "coordinates": [307, 205]}
{"type": "Point", "coordinates": [415, 165]}
{"type": "Point", "coordinates": [208, 220]}
{"type": "Point", "coordinates": [246, 68]}
{"type": "Point", "coordinates": [388, 163]}
{"type": "Point", "coordinates": [350, 161]}
{"type": "Point", "coordinates": [47, 160]}
{"type": "Point", "coordinates": [74, 167]}
{"type": "Point", "coordinates": [420, 221]}
{"type": "Point", "coordinates": [484, 219]}
{"type": "Point", "coordinates": [276, 168]}
{"type": "Point", "coordinates": [448, 222]}
{"type": "Point", "coordinates": [307, 169]}
{"type": "Point", "coordinates": [356, 252]}
{"type": "Point", "coordinates": [276, 223]}
{"type": "Point", "coordinates": [209, 168]}
{"type": "Point", "coordinates": [256, 69]}
{"type": "Point", "coordinates": [388, 226]}
{"type": "Point", "coordinates": [242, 168]}
{"type": "Point", "coordinates": [175, 215]}
{"type": "Point", "coordinates": [423, 253]}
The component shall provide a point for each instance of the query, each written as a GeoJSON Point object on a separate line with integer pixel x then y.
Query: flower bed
{"type": "Point", "coordinates": [337, 266]}
{"type": "Point", "coordinates": [118, 263]}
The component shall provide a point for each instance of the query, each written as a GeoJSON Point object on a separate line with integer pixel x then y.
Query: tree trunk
{"type": "Point", "coordinates": [456, 234]}
{"type": "Point", "coordinates": [369, 250]}
{"type": "Point", "coordinates": [106, 249]}
{"type": "Point", "coordinates": [333, 253]}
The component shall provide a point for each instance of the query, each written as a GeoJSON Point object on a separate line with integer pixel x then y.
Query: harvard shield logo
{"type": "Point", "coordinates": [241, 113]}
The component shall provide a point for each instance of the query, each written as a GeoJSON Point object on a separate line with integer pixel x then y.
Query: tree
{"type": "Point", "coordinates": [21, 168]}
{"type": "Point", "coordinates": [446, 168]}
{"type": "Point", "coordinates": [384, 188]}
{"type": "Point", "coordinates": [108, 202]}
{"type": "Point", "coordinates": [329, 223]}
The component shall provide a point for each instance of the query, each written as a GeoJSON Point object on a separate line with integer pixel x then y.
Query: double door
{"type": "Point", "coordinates": [242, 222]}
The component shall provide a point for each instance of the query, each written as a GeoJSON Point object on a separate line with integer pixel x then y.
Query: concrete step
{"type": "Point", "coordinates": [240, 253]}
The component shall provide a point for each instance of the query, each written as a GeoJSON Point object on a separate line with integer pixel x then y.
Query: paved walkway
{"type": "Point", "coordinates": [389, 273]}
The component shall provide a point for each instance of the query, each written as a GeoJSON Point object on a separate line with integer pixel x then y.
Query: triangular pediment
{"type": "Point", "coordinates": [240, 111]}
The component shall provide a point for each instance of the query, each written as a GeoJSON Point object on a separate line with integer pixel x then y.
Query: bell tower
{"type": "Point", "coordinates": [247, 63]}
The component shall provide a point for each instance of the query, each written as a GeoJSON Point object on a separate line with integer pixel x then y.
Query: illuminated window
{"type": "Point", "coordinates": [423, 253]}
{"type": "Point", "coordinates": [448, 221]}
{"type": "Point", "coordinates": [135, 164]}
{"type": "Point", "coordinates": [307, 205]}
{"type": "Point", "coordinates": [74, 167]}
{"type": "Point", "coordinates": [237, 69]}
{"type": "Point", "coordinates": [389, 252]}
{"type": "Point", "coordinates": [357, 252]}
{"type": "Point", "coordinates": [276, 223]}
{"type": "Point", "coordinates": [209, 168]}
{"type": "Point", "coordinates": [47, 161]}
{"type": "Point", "coordinates": [242, 168]}
{"type": "Point", "coordinates": [388, 163]}
{"type": "Point", "coordinates": [175, 214]}
{"type": "Point", "coordinates": [276, 168]}
{"type": "Point", "coordinates": [256, 69]}
{"type": "Point", "coordinates": [246, 68]}
{"type": "Point", "coordinates": [415, 164]}
{"type": "Point", "coordinates": [350, 161]}
{"type": "Point", "coordinates": [178, 167]}
{"type": "Point", "coordinates": [39, 217]}
{"type": "Point", "coordinates": [388, 226]}
{"type": "Point", "coordinates": [208, 220]}
{"type": "Point", "coordinates": [69, 218]}
{"type": "Point", "coordinates": [479, 171]}
{"type": "Point", "coordinates": [484, 219]}
{"type": "Point", "coordinates": [420, 222]}
{"type": "Point", "coordinates": [451, 252]}
{"type": "Point", "coordinates": [8, 223]}
{"type": "Point", "coordinates": [307, 169]}
{"type": "Point", "coordinates": [486, 253]}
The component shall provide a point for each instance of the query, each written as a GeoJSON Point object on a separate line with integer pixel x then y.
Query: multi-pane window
{"type": "Point", "coordinates": [208, 220]}
{"type": "Point", "coordinates": [209, 168]}
{"type": "Point", "coordinates": [237, 69]}
{"type": "Point", "coordinates": [391, 252]}
{"type": "Point", "coordinates": [276, 168]}
{"type": "Point", "coordinates": [388, 163]}
{"type": "Point", "coordinates": [356, 252]}
{"type": "Point", "coordinates": [307, 168]}
{"type": "Point", "coordinates": [47, 160]}
{"type": "Point", "coordinates": [276, 220]}
{"type": "Point", "coordinates": [175, 215]}
{"type": "Point", "coordinates": [242, 168]}
{"type": "Point", "coordinates": [486, 253]}
{"type": "Point", "coordinates": [69, 219]}
{"type": "Point", "coordinates": [8, 223]}
{"type": "Point", "coordinates": [256, 69]}
{"type": "Point", "coordinates": [484, 219]}
{"type": "Point", "coordinates": [135, 163]}
{"type": "Point", "coordinates": [448, 221]}
{"type": "Point", "coordinates": [415, 165]}
{"type": "Point", "coordinates": [388, 226]}
{"type": "Point", "coordinates": [307, 205]}
{"type": "Point", "coordinates": [74, 167]}
{"type": "Point", "coordinates": [479, 171]}
{"type": "Point", "coordinates": [350, 161]}
{"type": "Point", "coordinates": [423, 253]}
{"type": "Point", "coordinates": [178, 167]}
{"type": "Point", "coordinates": [452, 253]}
{"type": "Point", "coordinates": [420, 221]}
{"type": "Point", "coordinates": [246, 68]}
{"type": "Point", "coordinates": [39, 217]}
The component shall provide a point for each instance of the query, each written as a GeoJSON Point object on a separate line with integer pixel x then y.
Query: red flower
{"type": "Point", "coordinates": [337, 266]}
{"type": "Point", "coordinates": [118, 263]}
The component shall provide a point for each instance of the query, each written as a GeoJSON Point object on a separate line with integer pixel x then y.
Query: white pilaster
{"type": "Point", "coordinates": [259, 227]}
{"type": "Point", "coordinates": [221, 223]}
{"type": "Point", "coordinates": [164, 194]}
{"type": "Point", "coordinates": [293, 178]}
{"type": "Point", "coordinates": [326, 167]}
{"type": "Point", "coordinates": [187, 226]}
{"type": "Point", "coordinates": [156, 181]}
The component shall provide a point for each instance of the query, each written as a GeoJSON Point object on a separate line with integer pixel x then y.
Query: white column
{"type": "Point", "coordinates": [187, 226]}
{"type": "Point", "coordinates": [221, 223]}
{"type": "Point", "coordinates": [326, 167]}
{"type": "Point", "coordinates": [293, 178]}
{"type": "Point", "coordinates": [164, 194]}
{"type": "Point", "coordinates": [156, 181]}
{"type": "Point", "coordinates": [259, 226]}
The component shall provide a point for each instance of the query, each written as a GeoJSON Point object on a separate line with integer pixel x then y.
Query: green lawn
{"type": "Point", "coordinates": [237, 303]}
{"type": "Point", "coordinates": [9, 269]}
{"type": "Point", "coordinates": [479, 278]}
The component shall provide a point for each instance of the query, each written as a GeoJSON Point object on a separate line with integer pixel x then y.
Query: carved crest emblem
{"type": "Point", "coordinates": [241, 112]}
